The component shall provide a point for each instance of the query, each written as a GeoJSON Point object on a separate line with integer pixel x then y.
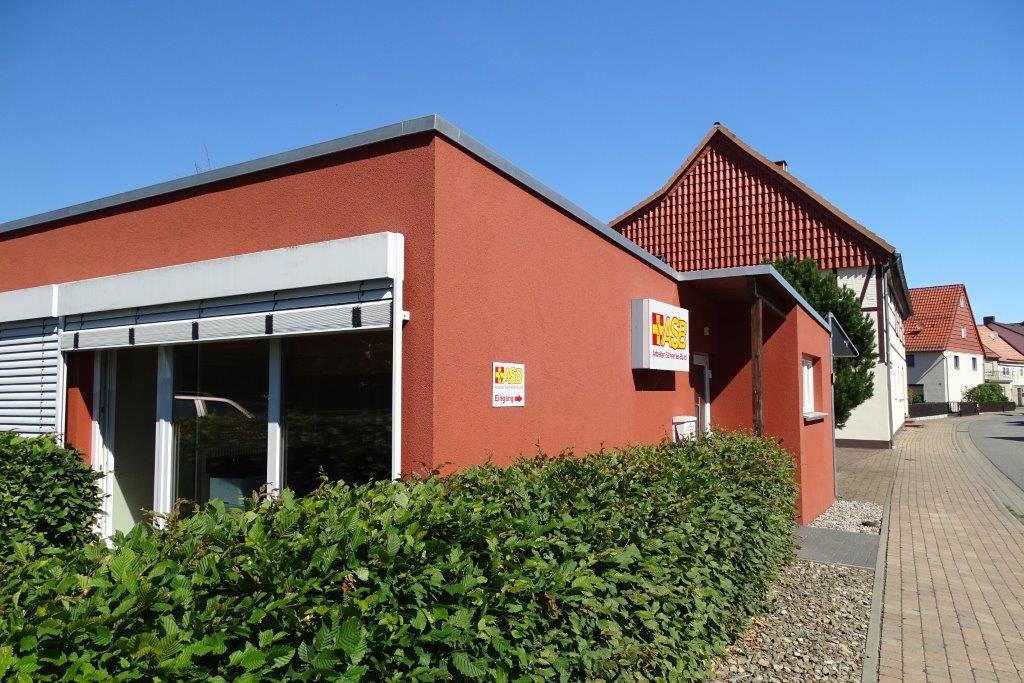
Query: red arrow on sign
{"type": "Point", "coordinates": [519, 399]}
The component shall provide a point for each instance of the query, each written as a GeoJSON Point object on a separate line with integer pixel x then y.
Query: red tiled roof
{"type": "Point", "coordinates": [1011, 333]}
{"type": "Point", "coordinates": [728, 205]}
{"type": "Point", "coordinates": [938, 319]}
{"type": "Point", "coordinates": [997, 348]}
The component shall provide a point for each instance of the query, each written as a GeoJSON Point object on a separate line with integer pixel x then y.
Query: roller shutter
{"type": "Point", "coordinates": [29, 376]}
{"type": "Point", "coordinates": [219, 320]}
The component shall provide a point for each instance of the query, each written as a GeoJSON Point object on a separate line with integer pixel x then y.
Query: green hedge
{"type": "Point", "coordinates": [988, 392]}
{"type": "Point", "coordinates": [622, 565]}
{"type": "Point", "coordinates": [48, 496]}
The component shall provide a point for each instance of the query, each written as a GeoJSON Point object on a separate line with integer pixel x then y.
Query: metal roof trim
{"type": "Point", "coordinates": [903, 288]}
{"type": "Point", "coordinates": [432, 123]}
{"type": "Point", "coordinates": [389, 132]}
{"type": "Point", "coordinates": [476, 148]}
{"type": "Point", "coordinates": [746, 271]}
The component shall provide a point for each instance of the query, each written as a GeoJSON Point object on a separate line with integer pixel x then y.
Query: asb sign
{"type": "Point", "coordinates": [508, 387]}
{"type": "Point", "coordinates": [660, 336]}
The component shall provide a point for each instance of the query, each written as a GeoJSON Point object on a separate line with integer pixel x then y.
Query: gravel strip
{"type": "Point", "coordinates": [815, 631]}
{"type": "Point", "coordinates": [851, 515]}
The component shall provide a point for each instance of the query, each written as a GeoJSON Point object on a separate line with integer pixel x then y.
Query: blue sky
{"type": "Point", "coordinates": [908, 116]}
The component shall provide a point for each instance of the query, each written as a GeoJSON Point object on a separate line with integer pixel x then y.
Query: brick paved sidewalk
{"type": "Point", "coordinates": [953, 598]}
{"type": "Point", "coordinates": [865, 474]}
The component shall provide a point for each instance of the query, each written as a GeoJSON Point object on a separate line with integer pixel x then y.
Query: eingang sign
{"type": "Point", "coordinates": [660, 336]}
{"type": "Point", "coordinates": [508, 388]}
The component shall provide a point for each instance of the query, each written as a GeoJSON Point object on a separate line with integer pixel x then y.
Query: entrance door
{"type": "Point", "coordinates": [700, 381]}
{"type": "Point", "coordinates": [134, 435]}
{"type": "Point", "coordinates": [123, 430]}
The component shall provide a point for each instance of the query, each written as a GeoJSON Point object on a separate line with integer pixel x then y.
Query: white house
{"type": "Point", "coordinates": [945, 356]}
{"type": "Point", "coordinates": [1004, 365]}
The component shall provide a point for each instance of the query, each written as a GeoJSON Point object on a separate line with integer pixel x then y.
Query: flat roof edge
{"type": "Point", "coordinates": [431, 123]}
{"type": "Point", "coordinates": [389, 132]}
{"type": "Point", "coordinates": [489, 156]}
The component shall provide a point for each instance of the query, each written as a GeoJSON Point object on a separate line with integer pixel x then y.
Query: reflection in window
{"type": "Point", "coordinates": [336, 408]}
{"type": "Point", "coordinates": [220, 420]}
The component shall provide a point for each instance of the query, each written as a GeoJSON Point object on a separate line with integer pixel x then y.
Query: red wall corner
{"type": "Point", "coordinates": [78, 406]}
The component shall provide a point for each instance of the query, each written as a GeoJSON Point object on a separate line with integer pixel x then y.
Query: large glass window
{"type": "Point", "coordinates": [220, 420]}
{"type": "Point", "coordinates": [336, 408]}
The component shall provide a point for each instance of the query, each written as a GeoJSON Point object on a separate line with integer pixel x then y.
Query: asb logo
{"type": "Point", "coordinates": [668, 331]}
{"type": "Point", "coordinates": [508, 375]}
{"type": "Point", "coordinates": [659, 336]}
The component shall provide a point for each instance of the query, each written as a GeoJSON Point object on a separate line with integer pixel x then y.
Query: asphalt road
{"type": "Point", "coordinates": [1001, 438]}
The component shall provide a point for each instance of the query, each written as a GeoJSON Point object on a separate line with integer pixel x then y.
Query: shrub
{"type": "Point", "coordinates": [989, 392]}
{"type": "Point", "coordinates": [854, 377]}
{"type": "Point", "coordinates": [632, 564]}
{"type": "Point", "coordinates": [48, 496]}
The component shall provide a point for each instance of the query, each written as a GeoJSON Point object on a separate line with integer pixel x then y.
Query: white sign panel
{"type": "Point", "coordinates": [508, 385]}
{"type": "Point", "coordinates": [660, 336]}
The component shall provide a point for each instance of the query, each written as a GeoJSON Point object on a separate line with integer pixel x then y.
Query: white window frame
{"type": "Point", "coordinates": [104, 385]}
{"type": "Point", "coordinates": [702, 360]}
{"type": "Point", "coordinates": [275, 445]}
{"type": "Point", "coordinates": [291, 268]}
{"type": "Point", "coordinates": [807, 394]}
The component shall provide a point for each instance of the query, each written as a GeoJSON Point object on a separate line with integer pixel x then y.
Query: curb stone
{"type": "Point", "coordinates": [999, 487]}
{"type": "Point", "coordinates": [873, 646]}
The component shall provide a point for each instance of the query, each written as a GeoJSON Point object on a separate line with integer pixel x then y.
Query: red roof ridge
{"type": "Point", "coordinates": [938, 305]}
{"type": "Point", "coordinates": [999, 348]}
{"type": "Point", "coordinates": [952, 284]}
{"type": "Point", "coordinates": [785, 175]}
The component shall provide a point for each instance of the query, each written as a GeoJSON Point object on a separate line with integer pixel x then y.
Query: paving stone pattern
{"type": "Point", "coordinates": [953, 599]}
{"type": "Point", "coordinates": [866, 473]}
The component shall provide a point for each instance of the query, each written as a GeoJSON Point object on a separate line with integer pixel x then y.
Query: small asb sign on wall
{"type": "Point", "coordinates": [660, 336]}
{"type": "Point", "coordinates": [508, 388]}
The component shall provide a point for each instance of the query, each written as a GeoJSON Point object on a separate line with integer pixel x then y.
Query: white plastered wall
{"type": "Point", "coordinates": [966, 377]}
{"type": "Point", "coordinates": [870, 420]}
{"type": "Point", "coordinates": [897, 357]}
{"type": "Point", "coordinates": [878, 418]}
{"type": "Point", "coordinates": [942, 381]}
{"type": "Point", "coordinates": [1008, 376]}
{"type": "Point", "coordinates": [1015, 390]}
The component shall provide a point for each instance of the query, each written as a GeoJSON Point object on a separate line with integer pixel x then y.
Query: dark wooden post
{"type": "Point", "coordinates": [756, 364]}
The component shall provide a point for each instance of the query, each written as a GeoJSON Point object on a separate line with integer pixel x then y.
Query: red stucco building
{"type": "Point", "coordinates": [349, 306]}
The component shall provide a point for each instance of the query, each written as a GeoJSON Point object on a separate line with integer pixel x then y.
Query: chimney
{"type": "Point", "coordinates": [988, 320]}
{"type": "Point", "coordinates": [781, 163]}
